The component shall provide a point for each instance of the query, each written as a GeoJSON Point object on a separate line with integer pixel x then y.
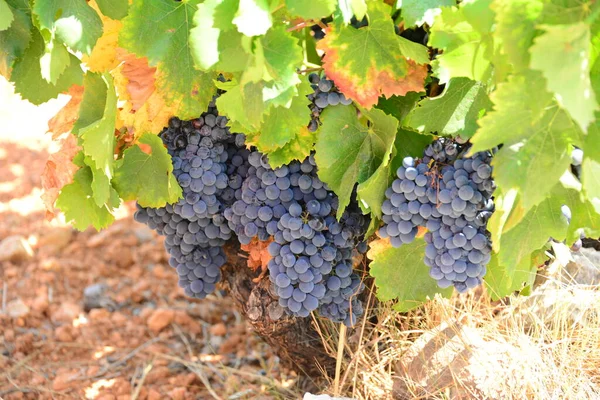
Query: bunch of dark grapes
{"type": "Point", "coordinates": [451, 196]}
{"type": "Point", "coordinates": [208, 162]}
{"type": "Point", "coordinates": [312, 252]}
{"type": "Point", "coordinates": [230, 191]}
{"type": "Point", "coordinates": [325, 94]}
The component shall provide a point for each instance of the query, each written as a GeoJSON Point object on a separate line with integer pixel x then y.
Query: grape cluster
{"type": "Point", "coordinates": [312, 252]}
{"type": "Point", "coordinates": [208, 162]}
{"type": "Point", "coordinates": [451, 197]}
{"type": "Point", "coordinates": [230, 191]}
{"type": "Point", "coordinates": [325, 94]}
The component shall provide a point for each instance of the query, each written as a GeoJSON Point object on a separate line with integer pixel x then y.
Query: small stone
{"type": "Point", "coordinates": [153, 395]}
{"type": "Point", "coordinates": [17, 309]}
{"type": "Point", "coordinates": [24, 343]}
{"type": "Point", "coordinates": [40, 303]}
{"type": "Point", "coordinates": [95, 290]}
{"type": "Point", "coordinates": [67, 312]}
{"type": "Point", "coordinates": [178, 393]}
{"type": "Point", "coordinates": [143, 233]}
{"type": "Point", "coordinates": [63, 333]}
{"type": "Point", "coordinates": [218, 329]}
{"type": "Point", "coordinates": [15, 249]}
{"type": "Point", "coordinates": [160, 319]}
{"type": "Point", "coordinates": [94, 296]}
{"type": "Point", "coordinates": [62, 381]}
{"type": "Point", "coordinates": [99, 314]}
{"type": "Point", "coordinates": [57, 240]}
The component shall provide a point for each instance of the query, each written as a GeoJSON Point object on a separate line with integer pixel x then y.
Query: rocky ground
{"type": "Point", "coordinates": [99, 315]}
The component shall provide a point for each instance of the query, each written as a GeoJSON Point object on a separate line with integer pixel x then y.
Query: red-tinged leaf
{"type": "Point", "coordinates": [58, 172]}
{"type": "Point", "coordinates": [145, 148]}
{"type": "Point", "coordinates": [367, 63]}
{"type": "Point", "coordinates": [64, 120]}
{"type": "Point", "coordinates": [258, 254]}
{"type": "Point", "coordinates": [140, 78]}
{"type": "Point", "coordinates": [145, 109]}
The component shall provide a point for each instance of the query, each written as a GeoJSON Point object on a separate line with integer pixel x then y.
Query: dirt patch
{"type": "Point", "coordinates": [100, 315]}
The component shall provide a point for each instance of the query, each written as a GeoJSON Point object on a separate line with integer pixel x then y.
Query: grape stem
{"type": "Point", "coordinates": [305, 70]}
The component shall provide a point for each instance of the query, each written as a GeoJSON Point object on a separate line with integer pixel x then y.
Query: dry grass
{"type": "Point", "coordinates": [546, 346]}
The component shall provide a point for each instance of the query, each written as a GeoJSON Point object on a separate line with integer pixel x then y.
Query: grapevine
{"type": "Point", "coordinates": [463, 133]}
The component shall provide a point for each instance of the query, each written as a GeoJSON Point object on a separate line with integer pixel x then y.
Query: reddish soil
{"type": "Point", "coordinates": [135, 336]}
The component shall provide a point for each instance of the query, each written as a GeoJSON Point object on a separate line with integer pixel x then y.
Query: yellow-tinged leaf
{"type": "Point", "coordinates": [367, 63]}
{"type": "Point", "coordinates": [58, 172]}
{"type": "Point", "coordinates": [144, 109]}
{"type": "Point", "coordinates": [64, 120]}
{"type": "Point", "coordinates": [104, 55]}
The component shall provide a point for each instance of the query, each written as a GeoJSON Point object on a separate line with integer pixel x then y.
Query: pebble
{"type": "Point", "coordinates": [178, 393]}
{"type": "Point", "coordinates": [16, 308]}
{"type": "Point", "coordinates": [160, 319]}
{"type": "Point", "coordinates": [218, 329]}
{"type": "Point", "coordinates": [67, 312]}
{"type": "Point", "coordinates": [63, 333]}
{"type": "Point", "coordinates": [15, 249]}
{"type": "Point", "coordinates": [143, 233]}
{"type": "Point", "coordinates": [57, 240]}
{"type": "Point", "coordinates": [153, 395]}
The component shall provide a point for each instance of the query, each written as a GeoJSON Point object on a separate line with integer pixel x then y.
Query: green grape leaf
{"type": "Point", "coordinates": [101, 187]}
{"type": "Point", "coordinates": [98, 138]}
{"type": "Point", "coordinates": [371, 193]}
{"type": "Point", "coordinates": [366, 63]}
{"type": "Point", "coordinates": [516, 28]}
{"type": "Point", "coordinates": [233, 56]}
{"type": "Point", "coordinates": [114, 9]}
{"type": "Point", "coordinates": [516, 111]}
{"type": "Point", "coordinates": [244, 106]}
{"type": "Point", "coordinates": [414, 51]}
{"type": "Point", "coordinates": [253, 17]}
{"type": "Point", "coordinates": [146, 174]}
{"type": "Point", "coordinates": [531, 233]}
{"type": "Point", "coordinates": [188, 90]}
{"type": "Point", "coordinates": [350, 150]}
{"type": "Point", "coordinates": [455, 112]}
{"type": "Point", "coordinates": [311, 9]}
{"type": "Point", "coordinates": [204, 37]}
{"type": "Point", "coordinates": [15, 39]}
{"type": "Point", "coordinates": [77, 203]}
{"type": "Point", "coordinates": [533, 166]}
{"type": "Point", "coordinates": [399, 106]}
{"type": "Point", "coordinates": [590, 168]}
{"type": "Point", "coordinates": [464, 35]}
{"type": "Point", "coordinates": [352, 8]}
{"type": "Point", "coordinates": [6, 16]}
{"type": "Point", "coordinates": [92, 104]}
{"type": "Point", "coordinates": [401, 275]}
{"type": "Point", "coordinates": [562, 54]}
{"type": "Point", "coordinates": [74, 22]}
{"type": "Point", "coordinates": [501, 283]}
{"type": "Point", "coordinates": [27, 75]}
{"type": "Point", "coordinates": [559, 12]}
{"type": "Point", "coordinates": [408, 144]}
{"type": "Point", "coordinates": [282, 124]}
{"type": "Point", "coordinates": [504, 203]}
{"type": "Point", "coordinates": [54, 61]}
{"type": "Point", "coordinates": [296, 149]}
{"type": "Point", "coordinates": [282, 53]}
{"type": "Point", "coordinates": [584, 218]}
{"type": "Point", "coordinates": [419, 12]}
